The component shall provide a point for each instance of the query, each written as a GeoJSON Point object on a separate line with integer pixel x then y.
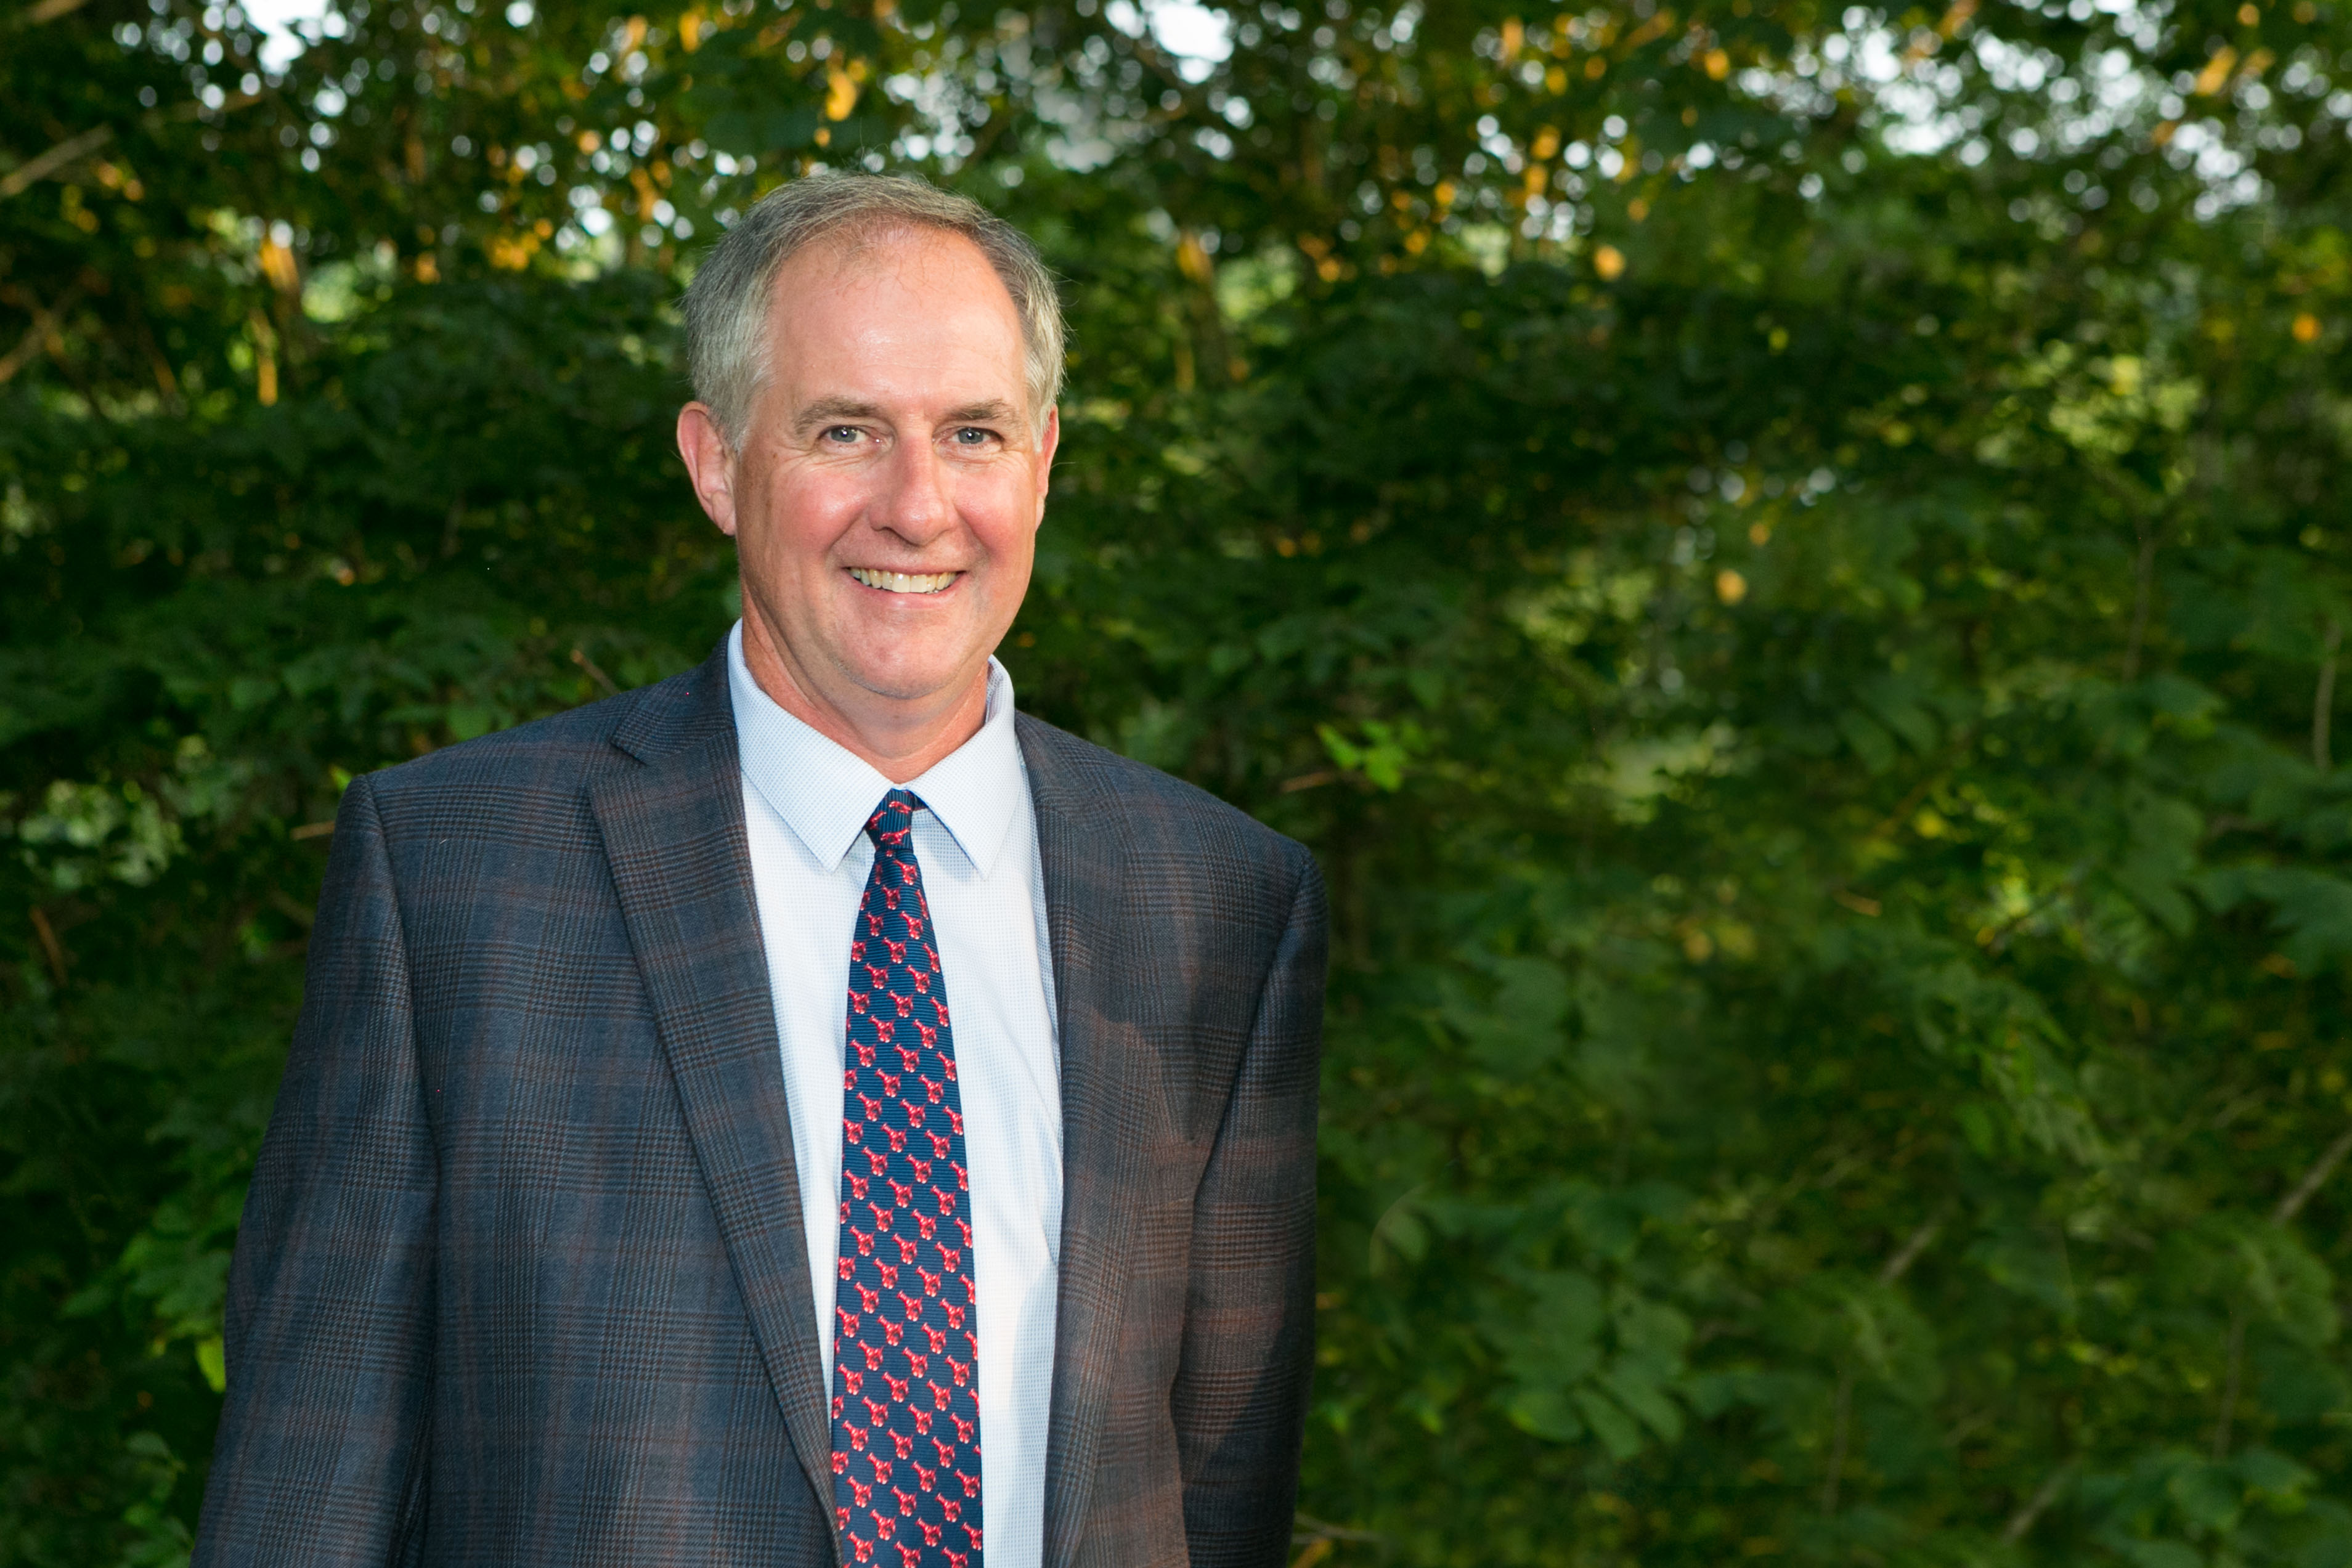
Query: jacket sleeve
{"type": "Point", "coordinates": [1240, 1398]}
{"type": "Point", "coordinates": [322, 1447]}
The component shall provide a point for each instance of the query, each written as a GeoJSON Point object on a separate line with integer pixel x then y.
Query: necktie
{"type": "Point", "coordinates": [906, 1345]}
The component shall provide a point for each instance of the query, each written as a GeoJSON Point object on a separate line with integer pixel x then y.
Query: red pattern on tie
{"type": "Point", "coordinates": [905, 1340]}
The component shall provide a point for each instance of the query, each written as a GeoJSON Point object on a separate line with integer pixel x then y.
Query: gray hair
{"type": "Point", "coordinates": [726, 306]}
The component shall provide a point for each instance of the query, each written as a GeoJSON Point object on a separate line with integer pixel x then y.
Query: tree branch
{"type": "Point", "coordinates": [2038, 1504]}
{"type": "Point", "coordinates": [2323, 701]}
{"type": "Point", "coordinates": [2144, 578]}
{"type": "Point", "coordinates": [42, 165]}
{"type": "Point", "coordinates": [2229, 1384]}
{"type": "Point", "coordinates": [2313, 1179]}
{"type": "Point", "coordinates": [44, 322]}
{"type": "Point", "coordinates": [1841, 1421]}
{"type": "Point", "coordinates": [1840, 1428]}
{"type": "Point", "coordinates": [581, 658]}
{"type": "Point", "coordinates": [1915, 1243]}
{"type": "Point", "coordinates": [50, 948]}
{"type": "Point", "coordinates": [1307, 1527]}
{"type": "Point", "coordinates": [1318, 1538]}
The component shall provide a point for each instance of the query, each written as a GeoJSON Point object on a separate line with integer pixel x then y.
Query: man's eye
{"type": "Point", "coordinates": [971, 437]}
{"type": "Point", "coordinates": [844, 433]}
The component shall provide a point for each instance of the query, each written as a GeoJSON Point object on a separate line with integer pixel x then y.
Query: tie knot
{"type": "Point", "coordinates": [889, 826]}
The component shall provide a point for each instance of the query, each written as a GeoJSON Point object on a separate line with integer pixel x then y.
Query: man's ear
{"type": "Point", "coordinates": [1049, 441]}
{"type": "Point", "coordinates": [710, 462]}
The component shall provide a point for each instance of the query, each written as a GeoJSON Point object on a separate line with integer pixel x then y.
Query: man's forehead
{"type": "Point", "coordinates": [895, 323]}
{"type": "Point", "coordinates": [915, 256]}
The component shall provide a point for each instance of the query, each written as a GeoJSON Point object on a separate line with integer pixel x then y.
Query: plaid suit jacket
{"type": "Point", "coordinates": [521, 1276]}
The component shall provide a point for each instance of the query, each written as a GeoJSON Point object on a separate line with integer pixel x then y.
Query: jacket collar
{"type": "Point", "coordinates": [675, 841]}
{"type": "Point", "coordinates": [686, 711]}
{"type": "Point", "coordinates": [1099, 979]}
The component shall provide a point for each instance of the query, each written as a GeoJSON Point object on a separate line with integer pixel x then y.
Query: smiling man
{"type": "Point", "coordinates": [804, 1112]}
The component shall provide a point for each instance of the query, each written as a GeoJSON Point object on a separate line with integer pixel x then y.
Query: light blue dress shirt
{"type": "Point", "coordinates": [805, 802]}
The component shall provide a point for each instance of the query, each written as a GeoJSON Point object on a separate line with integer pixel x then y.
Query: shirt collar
{"type": "Point", "coordinates": [825, 792]}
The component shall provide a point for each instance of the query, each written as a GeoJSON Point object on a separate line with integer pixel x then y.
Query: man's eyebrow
{"type": "Point", "coordinates": [992, 411]}
{"type": "Point", "coordinates": [826, 409]}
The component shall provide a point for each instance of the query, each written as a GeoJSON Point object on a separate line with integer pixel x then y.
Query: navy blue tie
{"type": "Point", "coordinates": [905, 1343]}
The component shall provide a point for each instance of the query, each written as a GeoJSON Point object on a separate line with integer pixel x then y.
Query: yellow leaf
{"type": "Point", "coordinates": [2217, 70]}
{"type": "Point", "coordinates": [2306, 328]}
{"type": "Point", "coordinates": [513, 253]}
{"type": "Point", "coordinates": [840, 92]}
{"type": "Point", "coordinates": [1729, 586]}
{"type": "Point", "coordinates": [277, 266]}
{"type": "Point", "coordinates": [1193, 258]}
{"type": "Point", "coordinates": [265, 356]}
{"type": "Point", "coordinates": [1609, 263]}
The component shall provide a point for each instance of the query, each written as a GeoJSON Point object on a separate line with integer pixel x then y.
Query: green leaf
{"type": "Point", "coordinates": [1518, 1029]}
{"type": "Point", "coordinates": [2207, 1495]}
{"type": "Point", "coordinates": [1617, 1432]}
{"type": "Point", "coordinates": [212, 1360]}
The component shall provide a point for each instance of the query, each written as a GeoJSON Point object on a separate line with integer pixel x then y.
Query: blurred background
{"type": "Point", "coordinates": [1791, 562]}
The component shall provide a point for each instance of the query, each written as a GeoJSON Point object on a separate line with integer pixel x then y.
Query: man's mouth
{"type": "Point", "coordinates": [903, 581]}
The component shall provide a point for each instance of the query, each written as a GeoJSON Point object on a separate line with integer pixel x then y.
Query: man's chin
{"type": "Point", "coordinates": [921, 679]}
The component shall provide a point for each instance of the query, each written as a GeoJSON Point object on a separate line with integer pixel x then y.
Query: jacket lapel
{"type": "Point", "coordinates": [675, 839]}
{"type": "Point", "coordinates": [1081, 847]}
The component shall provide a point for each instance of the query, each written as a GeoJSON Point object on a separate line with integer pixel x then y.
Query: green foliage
{"type": "Point", "coordinates": [1786, 563]}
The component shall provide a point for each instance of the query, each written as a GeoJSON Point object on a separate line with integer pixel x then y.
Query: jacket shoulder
{"type": "Point", "coordinates": [1156, 811]}
{"type": "Point", "coordinates": [557, 754]}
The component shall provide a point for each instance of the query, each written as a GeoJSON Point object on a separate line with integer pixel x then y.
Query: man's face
{"type": "Point", "coordinates": [887, 496]}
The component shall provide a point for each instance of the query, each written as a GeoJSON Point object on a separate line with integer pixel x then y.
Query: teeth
{"type": "Point", "coordinates": [902, 582]}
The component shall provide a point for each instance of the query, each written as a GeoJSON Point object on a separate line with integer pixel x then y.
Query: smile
{"type": "Point", "coordinates": [904, 583]}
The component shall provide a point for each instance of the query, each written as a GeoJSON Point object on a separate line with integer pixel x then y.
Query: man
{"type": "Point", "coordinates": [804, 1110]}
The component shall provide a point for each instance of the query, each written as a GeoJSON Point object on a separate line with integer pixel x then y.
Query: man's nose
{"type": "Point", "coordinates": [917, 502]}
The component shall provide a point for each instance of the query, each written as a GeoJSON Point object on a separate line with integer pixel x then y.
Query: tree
{"type": "Point", "coordinates": [1784, 562]}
